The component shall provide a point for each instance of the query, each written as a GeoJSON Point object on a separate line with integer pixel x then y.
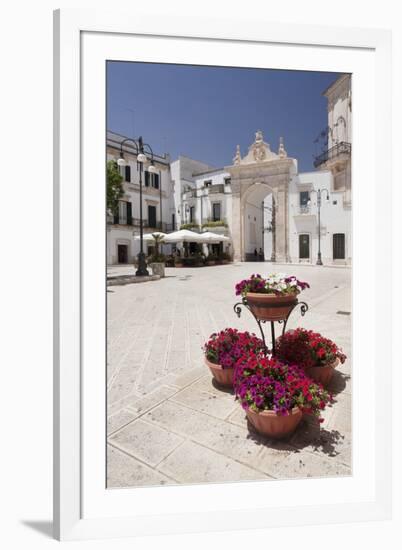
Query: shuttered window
{"type": "Point", "coordinates": [151, 216]}
{"type": "Point", "coordinates": [129, 214]}
{"type": "Point", "coordinates": [127, 173]}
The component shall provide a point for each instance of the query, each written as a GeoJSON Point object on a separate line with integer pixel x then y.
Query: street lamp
{"type": "Point", "coordinates": [140, 148]}
{"type": "Point", "coordinates": [319, 193]}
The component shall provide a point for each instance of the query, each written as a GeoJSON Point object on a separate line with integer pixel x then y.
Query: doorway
{"type": "Point", "coordinates": [338, 246]}
{"type": "Point", "coordinates": [304, 247]}
{"type": "Point", "coordinates": [122, 254]}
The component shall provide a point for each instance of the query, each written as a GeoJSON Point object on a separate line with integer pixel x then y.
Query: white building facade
{"type": "Point", "coordinates": [261, 202]}
{"type": "Point", "coordinates": [158, 204]}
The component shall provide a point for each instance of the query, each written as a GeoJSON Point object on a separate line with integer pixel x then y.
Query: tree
{"type": "Point", "coordinates": [158, 240]}
{"type": "Point", "coordinates": [114, 186]}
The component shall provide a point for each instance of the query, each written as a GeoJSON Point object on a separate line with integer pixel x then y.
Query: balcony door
{"type": "Point", "coordinates": [151, 216]}
{"type": "Point", "coordinates": [216, 211]}
{"type": "Point", "coordinates": [304, 247]}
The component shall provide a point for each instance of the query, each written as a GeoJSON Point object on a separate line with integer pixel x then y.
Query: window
{"type": "Point", "coordinates": [155, 181]}
{"type": "Point", "coordinates": [208, 183]}
{"type": "Point", "coordinates": [124, 215]}
{"type": "Point", "coordinates": [146, 176]}
{"type": "Point", "coordinates": [151, 216]}
{"type": "Point", "coordinates": [127, 173]}
{"type": "Point", "coordinates": [129, 214]}
{"type": "Point", "coordinates": [173, 222]}
{"type": "Point", "coordinates": [304, 198]}
{"type": "Point", "coordinates": [339, 246]}
{"type": "Point", "coordinates": [216, 211]}
{"type": "Point", "coordinates": [227, 181]}
{"type": "Point", "coordinates": [192, 212]}
{"type": "Point", "coordinates": [122, 212]}
{"type": "Point", "coordinates": [151, 180]}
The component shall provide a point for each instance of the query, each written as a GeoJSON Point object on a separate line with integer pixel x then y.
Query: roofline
{"type": "Point", "coordinates": [195, 174]}
{"type": "Point", "coordinates": [336, 81]}
{"type": "Point", "coordinates": [193, 159]}
{"type": "Point", "coordinates": [127, 146]}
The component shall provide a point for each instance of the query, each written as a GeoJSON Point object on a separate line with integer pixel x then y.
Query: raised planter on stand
{"type": "Point", "coordinates": [270, 307]}
{"type": "Point", "coordinates": [273, 425]}
{"type": "Point", "coordinates": [224, 377]}
{"type": "Point", "coordinates": [323, 373]}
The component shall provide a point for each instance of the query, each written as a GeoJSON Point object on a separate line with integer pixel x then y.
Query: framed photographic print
{"type": "Point", "coordinates": [217, 357]}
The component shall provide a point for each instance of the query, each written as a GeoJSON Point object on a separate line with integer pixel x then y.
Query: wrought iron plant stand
{"type": "Point", "coordinates": [238, 310]}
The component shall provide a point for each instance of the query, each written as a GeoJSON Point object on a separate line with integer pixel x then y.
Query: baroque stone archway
{"type": "Point", "coordinates": [261, 172]}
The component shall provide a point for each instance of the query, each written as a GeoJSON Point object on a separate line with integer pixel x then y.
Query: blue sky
{"type": "Point", "coordinates": [204, 112]}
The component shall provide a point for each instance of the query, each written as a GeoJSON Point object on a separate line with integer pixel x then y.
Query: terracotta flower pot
{"type": "Point", "coordinates": [224, 377]}
{"type": "Point", "coordinates": [270, 307]}
{"type": "Point", "coordinates": [274, 425]}
{"type": "Point", "coordinates": [324, 373]}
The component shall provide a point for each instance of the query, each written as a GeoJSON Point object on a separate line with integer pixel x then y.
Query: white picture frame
{"type": "Point", "coordinates": [83, 508]}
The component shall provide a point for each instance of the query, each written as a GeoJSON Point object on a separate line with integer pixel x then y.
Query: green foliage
{"type": "Point", "coordinates": [225, 256]}
{"type": "Point", "coordinates": [158, 239]}
{"type": "Point", "coordinates": [157, 258]}
{"type": "Point", "coordinates": [191, 225]}
{"type": "Point", "coordinates": [114, 190]}
{"type": "Point", "coordinates": [219, 223]}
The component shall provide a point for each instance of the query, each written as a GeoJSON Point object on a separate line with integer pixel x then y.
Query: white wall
{"type": "Point", "coordinates": [340, 109]}
{"type": "Point", "coordinates": [150, 196]}
{"type": "Point", "coordinates": [335, 218]}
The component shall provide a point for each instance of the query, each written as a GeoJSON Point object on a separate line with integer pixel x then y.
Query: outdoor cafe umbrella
{"type": "Point", "coordinates": [210, 237]}
{"type": "Point", "coordinates": [183, 236]}
{"type": "Point", "coordinates": [150, 236]}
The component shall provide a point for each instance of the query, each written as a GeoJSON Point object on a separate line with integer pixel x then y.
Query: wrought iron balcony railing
{"type": "Point", "coordinates": [342, 148]}
{"type": "Point", "coordinates": [304, 209]}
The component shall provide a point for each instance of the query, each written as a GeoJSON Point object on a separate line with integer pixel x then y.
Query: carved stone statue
{"type": "Point", "coordinates": [259, 152]}
{"type": "Point", "coordinates": [237, 157]}
{"type": "Point", "coordinates": [281, 151]}
{"type": "Point", "coordinates": [259, 137]}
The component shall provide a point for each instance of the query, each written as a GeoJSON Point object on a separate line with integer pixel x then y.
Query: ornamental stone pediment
{"type": "Point", "coordinates": [259, 152]}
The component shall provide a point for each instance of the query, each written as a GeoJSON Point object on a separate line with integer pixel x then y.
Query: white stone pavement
{"type": "Point", "coordinates": [168, 423]}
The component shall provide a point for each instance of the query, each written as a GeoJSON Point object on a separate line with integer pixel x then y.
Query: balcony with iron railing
{"type": "Point", "coordinates": [304, 209]}
{"type": "Point", "coordinates": [340, 149]}
{"type": "Point", "coordinates": [205, 191]}
{"type": "Point", "coordinates": [136, 223]}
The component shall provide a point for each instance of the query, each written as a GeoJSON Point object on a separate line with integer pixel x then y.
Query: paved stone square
{"type": "Point", "coordinates": [167, 421]}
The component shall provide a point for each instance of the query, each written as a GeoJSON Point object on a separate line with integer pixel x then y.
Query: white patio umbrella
{"type": "Point", "coordinates": [210, 237]}
{"type": "Point", "coordinates": [150, 236]}
{"type": "Point", "coordinates": [183, 236]}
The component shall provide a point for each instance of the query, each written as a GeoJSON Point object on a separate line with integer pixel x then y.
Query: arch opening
{"type": "Point", "coordinates": [258, 223]}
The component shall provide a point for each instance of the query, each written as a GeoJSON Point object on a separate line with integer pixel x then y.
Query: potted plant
{"type": "Point", "coordinates": [317, 355]}
{"type": "Point", "coordinates": [275, 395]}
{"type": "Point", "coordinates": [271, 298]}
{"type": "Point", "coordinates": [157, 260]}
{"type": "Point", "coordinates": [211, 259]}
{"type": "Point", "coordinates": [178, 261]}
{"type": "Point", "coordinates": [224, 348]}
{"type": "Point", "coordinates": [225, 258]}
